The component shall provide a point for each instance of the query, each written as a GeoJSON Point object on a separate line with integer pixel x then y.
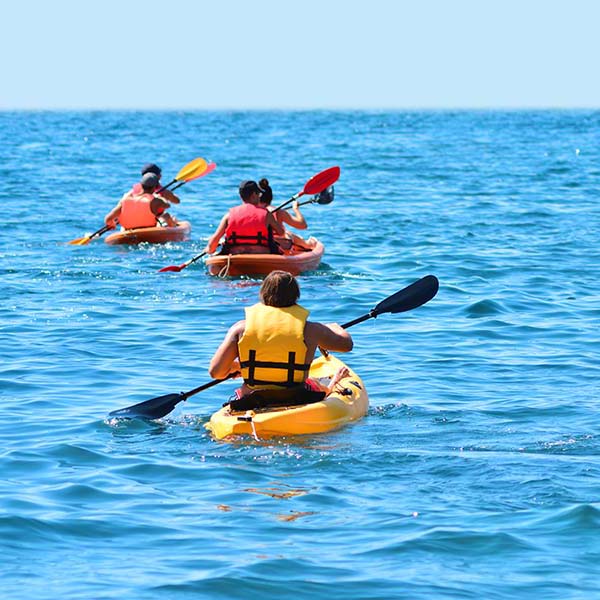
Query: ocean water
{"type": "Point", "coordinates": [476, 473]}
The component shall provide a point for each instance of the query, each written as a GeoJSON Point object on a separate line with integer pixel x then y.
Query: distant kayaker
{"type": "Point", "coordinates": [168, 195]}
{"type": "Point", "coordinates": [275, 344]}
{"type": "Point", "coordinates": [141, 209]}
{"type": "Point", "coordinates": [248, 228]}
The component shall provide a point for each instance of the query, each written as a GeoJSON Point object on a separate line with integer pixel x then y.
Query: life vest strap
{"type": "Point", "coordinates": [290, 366]}
{"type": "Point", "coordinates": [251, 240]}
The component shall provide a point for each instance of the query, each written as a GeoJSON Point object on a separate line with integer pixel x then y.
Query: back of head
{"type": "Point", "coordinates": [149, 182]}
{"type": "Point", "coordinates": [267, 195]}
{"type": "Point", "coordinates": [247, 188]}
{"type": "Point", "coordinates": [151, 168]}
{"type": "Point", "coordinates": [279, 289]}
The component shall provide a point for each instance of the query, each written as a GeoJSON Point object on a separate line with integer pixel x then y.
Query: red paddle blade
{"type": "Point", "coordinates": [172, 269]}
{"type": "Point", "coordinates": [210, 168]}
{"type": "Point", "coordinates": [317, 183]}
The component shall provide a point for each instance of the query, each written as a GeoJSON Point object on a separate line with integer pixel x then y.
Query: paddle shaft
{"type": "Point", "coordinates": [201, 388]}
{"type": "Point", "coordinates": [412, 296]}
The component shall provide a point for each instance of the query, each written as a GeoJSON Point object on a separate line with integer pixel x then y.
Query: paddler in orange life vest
{"type": "Point", "coordinates": [140, 208]}
{"type": "Point", "coordinates": [248, 228]}
{"type": "Point", "coordinates": [275, 344]}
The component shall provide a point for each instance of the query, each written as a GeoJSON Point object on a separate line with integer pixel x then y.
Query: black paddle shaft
{"type": "Point", "coordinates": [414, 295]}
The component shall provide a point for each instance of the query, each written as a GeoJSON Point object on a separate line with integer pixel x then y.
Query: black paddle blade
{"type": "Point", "coordinates": [410, 297]}
{"type": "Point", "coordinates": [150, 409]}
{"type": "Point", "coordinates": [324, 197]}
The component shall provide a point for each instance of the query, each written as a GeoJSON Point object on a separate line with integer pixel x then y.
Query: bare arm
{"type": "Point", "coordinates": [278, 228]}
{"type": "Point", "coordinates": [169, 196]}
{"type": "Point", "coordinates": [158, 205]}
{"type": "Point", "coordinates": [297, 220]}
{"type": "Point", "coordinates": [330, 336]}
{"type": "Point", "coordinates": [225, 359]}
{"type": "Point", "coordinates": [213, 241]}
{"type": "Point", "coordinates": [111, 218]}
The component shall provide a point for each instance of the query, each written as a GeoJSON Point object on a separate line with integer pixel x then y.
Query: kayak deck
{"type": "Point", "coordinates": [348, 402]}
{"type": "Point", "coordinates": [303, 256]}
{"type": "Point", "coordinates": [151, 235]}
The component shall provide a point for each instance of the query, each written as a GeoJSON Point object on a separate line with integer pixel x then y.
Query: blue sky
{"type": "Point", "coordinates": [225, 54]}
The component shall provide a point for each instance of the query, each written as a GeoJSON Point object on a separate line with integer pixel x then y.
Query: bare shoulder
{"type": "Point", "coordinates": [329, 336]}
{"type": "Point", "coordinates": [237, 330]}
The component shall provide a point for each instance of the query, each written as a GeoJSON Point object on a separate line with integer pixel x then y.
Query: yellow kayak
{"type": "Point", "coordinates": [348, 402]}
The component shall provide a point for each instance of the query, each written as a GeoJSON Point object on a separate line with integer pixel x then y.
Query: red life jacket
{"type": "Point", "coordinates": [136, 211]}
{"type": "Point", "coordinates": [247, 225]}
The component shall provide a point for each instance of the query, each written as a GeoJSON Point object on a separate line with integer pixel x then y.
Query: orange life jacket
{"type": "Point", "coordinates": [136, 211]}
{"type": "Point", "coordinates": [247, 225]}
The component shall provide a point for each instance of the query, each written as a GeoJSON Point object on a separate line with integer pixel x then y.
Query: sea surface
{"type": "Point", "coordinates": [476, 473]}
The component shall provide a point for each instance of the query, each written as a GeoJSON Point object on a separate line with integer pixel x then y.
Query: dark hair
{"type": "Point", "coordinates": [247, 188]}
{"type": "Point", "coordinates": [151, 168]}
{"type": "Point", "coordinates": [267, 196]}
{"type": "Point", "coordinates": [149, 182]}
{"type": "Point", "coordinates": [279, 289]}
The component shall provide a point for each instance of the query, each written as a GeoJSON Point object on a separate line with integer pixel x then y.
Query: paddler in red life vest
{"type": "Point", "coordinates": [275, 344]}
{"type": "Point", "coordinates": [168, 195]}
{"type": "Point", "coordinates": [136, 210]}
{"type": "Point", "coordinates": [248, 228]}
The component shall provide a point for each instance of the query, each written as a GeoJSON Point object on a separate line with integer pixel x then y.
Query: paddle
{"type": "Point", "coordinates": [210, 167]}
{"type": "Point", "coordinates": [187, 263]}
{"type": "Point", "coordinates": [324, 197]}
{"type": "Point", "coordinates": [318, 184]}
{"type": "Point", "coordinates": [193, 170]}
{"type": "Point", "coordinates": [315, 185]}
{"type": "Point", "coordinates": [413, 296]}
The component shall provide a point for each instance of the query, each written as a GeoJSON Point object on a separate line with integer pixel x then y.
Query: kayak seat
{"type": "Point", "coordinates": [295, 396]}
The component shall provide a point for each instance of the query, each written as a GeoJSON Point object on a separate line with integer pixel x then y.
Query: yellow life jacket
{"type": "Point", "coordinates": [272, 350]}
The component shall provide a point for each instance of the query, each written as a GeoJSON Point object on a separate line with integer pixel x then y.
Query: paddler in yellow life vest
{"type": "Point", "coordinates": [275, 344]}
{"type": "Point", "coordinates": [248, 228]}
{"type": "Point", "coordinates": [141, 207]}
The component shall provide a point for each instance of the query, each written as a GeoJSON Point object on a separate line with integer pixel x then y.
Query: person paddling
{"type": "Point", "coordinates": [275, 344]}
{"type": "Point", "coordinates": [296, 220]}
{"type": "Point", "coordinates": [248, 228]}
{"type": "Point", "coordinates": [136, 210]}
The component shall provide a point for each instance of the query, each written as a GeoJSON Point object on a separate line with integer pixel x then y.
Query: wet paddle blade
{"type": "Point", "coordinates": [86, 239]}
{"type": "Point", "coordinates": [155, 408]}
{"type": "Point", "coordinates": [317, 183]}
{"type": "Point", "coordinates": [82, 241]}
{"type": "Point", "coordinates": [172, 268]}
{"type": "Point", "coordinates": [187, 263]}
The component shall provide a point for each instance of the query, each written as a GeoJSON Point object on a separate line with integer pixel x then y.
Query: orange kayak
{"type": "Point", "coordinates": [151, 235]}
{"type": "Point", "coordinates": [301, 257]}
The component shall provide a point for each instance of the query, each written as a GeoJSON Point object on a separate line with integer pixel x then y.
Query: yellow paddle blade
{"type": "Point", "coordinates": [82, 241]}
{"type": "Point", "coordinates": [192, 169]}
